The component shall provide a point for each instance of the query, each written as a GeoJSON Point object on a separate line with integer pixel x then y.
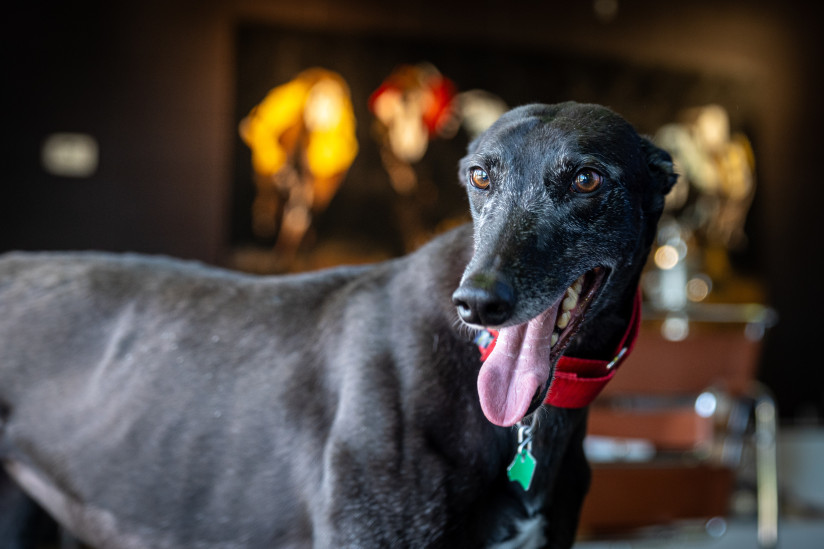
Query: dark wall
{"type": "Point", "coordinates": [154, 82]}
{"type": "Point", "coordinates": [150, 85]}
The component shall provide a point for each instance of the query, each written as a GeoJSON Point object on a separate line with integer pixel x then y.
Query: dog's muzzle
{"type": "Point", "coordinates": [484, 300]}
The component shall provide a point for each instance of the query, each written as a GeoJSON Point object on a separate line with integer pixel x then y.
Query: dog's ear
{"type": "Point", "coordinates": [659, 164]}
{"type": "Point", "coordinates": [663, 176]}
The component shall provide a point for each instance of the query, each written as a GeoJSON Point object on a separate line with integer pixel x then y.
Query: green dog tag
{"type": "Point", "coordinates": [522, 469]}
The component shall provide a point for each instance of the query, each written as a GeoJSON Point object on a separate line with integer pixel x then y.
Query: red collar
{"type": "Point", "coordinates": [578, 381]}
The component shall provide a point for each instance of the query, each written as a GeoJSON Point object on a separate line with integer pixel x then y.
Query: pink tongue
{"type": "Point", "coordinates": [516, 368]}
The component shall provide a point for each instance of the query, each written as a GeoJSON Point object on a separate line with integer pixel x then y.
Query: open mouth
{"type": "Point", "coordinates": [571, 308]}
{"type": "Point", "coordinates": [515, 378]}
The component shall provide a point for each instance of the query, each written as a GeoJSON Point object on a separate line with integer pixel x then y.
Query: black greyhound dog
{"type": "Point", "coordinates": [154, 403]}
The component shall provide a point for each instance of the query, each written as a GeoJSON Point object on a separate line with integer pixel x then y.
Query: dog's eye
{"type": "Point", "coordinates": [479, 178]}
{"type": "Point", "coordinates": [586, 181]}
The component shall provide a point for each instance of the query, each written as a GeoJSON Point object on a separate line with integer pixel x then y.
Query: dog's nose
{"type": "Point", "coordinates": [484, 300]}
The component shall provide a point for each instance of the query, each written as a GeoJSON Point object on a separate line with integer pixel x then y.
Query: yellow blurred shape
{"type": "Point", "coordinates": [666, 257]}
{"type": "Point", "coordinates": [697, 289]}
{"type": "Point", "coordinates": [310, 116]}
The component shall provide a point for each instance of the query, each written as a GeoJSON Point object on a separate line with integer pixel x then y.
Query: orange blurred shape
{"type": "Point", "coordinates": [414, 104]}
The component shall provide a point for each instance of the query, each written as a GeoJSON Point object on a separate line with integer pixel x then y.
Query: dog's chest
{"type": "Point", "coordinates": [530, 533]}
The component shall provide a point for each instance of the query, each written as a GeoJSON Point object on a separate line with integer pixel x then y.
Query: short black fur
{"type": "Point", "coordinates": [153, 403]}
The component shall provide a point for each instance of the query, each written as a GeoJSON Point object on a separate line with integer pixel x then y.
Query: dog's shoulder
{"type": "Point", "coordinates": [442, 257]}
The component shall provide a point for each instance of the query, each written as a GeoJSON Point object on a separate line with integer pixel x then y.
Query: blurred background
{"type": "Point", "coordinates": [274, 135]}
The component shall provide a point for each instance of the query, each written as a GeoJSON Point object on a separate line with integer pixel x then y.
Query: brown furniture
{"type": "Point", "coordinates": [671, 430]}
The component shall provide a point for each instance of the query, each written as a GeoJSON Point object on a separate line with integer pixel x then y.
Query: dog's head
{"type": "Point", "coordinates": [565, 200]}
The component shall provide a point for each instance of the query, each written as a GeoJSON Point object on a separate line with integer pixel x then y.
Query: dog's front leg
{"type": "Point", "coordinates": [376, 495]}
{"type": "Point", "coordinates": [570, 488]}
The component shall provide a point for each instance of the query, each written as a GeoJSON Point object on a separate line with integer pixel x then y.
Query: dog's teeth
{"type": "Point", "coordinates": [578, 285]}
{"type": "Point", "coordinates": [563, 320]}
{"type": "Point", "coordinates": [554, 339]}
{"type": "Point", "coordinates": [570, 301]}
